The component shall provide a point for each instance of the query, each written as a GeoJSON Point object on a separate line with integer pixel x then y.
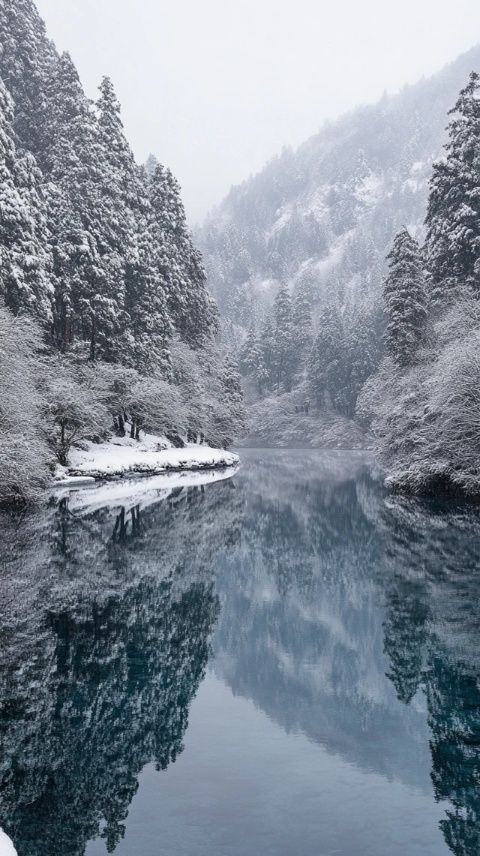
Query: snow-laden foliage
{"type": "Point", "coordinates": [97, 250]}
{"type": "Point", "coordinates": [405, 301]}
{"type": "Point", "coordinates": [427, 418]}
{"type": "Point", "coordinates": [321, 220]}
{"type": "Point", "coordinates": [452, 246]}
{"type": "Point", "coordinates": [424, 403]}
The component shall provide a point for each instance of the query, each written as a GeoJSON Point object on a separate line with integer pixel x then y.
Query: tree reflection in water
{"type": "Point", "coordinates": [101, 658]}
{"type": "Point", "coordinates": [344, 613]}
{"type": "Point", "coordinates": [432, 638]}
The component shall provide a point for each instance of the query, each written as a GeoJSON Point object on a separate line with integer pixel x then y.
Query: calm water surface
{"type": "Point", "coordinates": [283, 663]}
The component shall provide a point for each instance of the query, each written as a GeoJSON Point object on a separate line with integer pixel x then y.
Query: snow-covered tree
{"type": "Point", "coordinates": [98, 250]}
{"type": "Point", "coordinates": [71, 404]}
{"type": "Point", "coordinates": [326, 359]}
{"type": "Point", "coordinates": [26, 60]}
{"type": "Point", "coordinates": [192, 310]}
{"type": "Point", "coordinates": [89, 307]}
{"type": "Point", "coordinates": [405, 301]}
{"type": "Point", "coordinates": [285, 347]}
{"type": "Point", "coordinates": [250, 354]}
{"type": "Point", "coordinates": [452, 247]}
{"type": "Point", "coordinates": [302, 317]}
{"type": "Point", "coordinates": [25, 259]}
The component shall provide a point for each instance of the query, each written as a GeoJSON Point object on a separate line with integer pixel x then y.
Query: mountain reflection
{"type": "Point", "coordinates": [303, 634]}
{"type": "Point", "coordinates": [343, 613]}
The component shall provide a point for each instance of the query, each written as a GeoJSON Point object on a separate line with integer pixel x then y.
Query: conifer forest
{"type": "Point", "coordinates": [239, 428]}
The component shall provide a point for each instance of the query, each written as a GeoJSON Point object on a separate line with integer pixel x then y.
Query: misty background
{"type": "Point", "coordinates": [215, 89]}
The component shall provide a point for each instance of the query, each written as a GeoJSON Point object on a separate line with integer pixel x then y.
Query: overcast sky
{"type": "Point", "coordinates": [216, 87]}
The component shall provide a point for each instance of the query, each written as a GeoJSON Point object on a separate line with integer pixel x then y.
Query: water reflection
{"type": "Point", "coordinates": [344, 614]}
{"type": "Point", "coordinates": [104, 640]}
{"type": "Point", "coordinates": [432, 636]}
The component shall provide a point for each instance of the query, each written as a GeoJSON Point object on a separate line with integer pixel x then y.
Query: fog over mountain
{"type": "Point", "coordinates": [327, 212]}
{"type": "Point", "coordinates": [296, 258]}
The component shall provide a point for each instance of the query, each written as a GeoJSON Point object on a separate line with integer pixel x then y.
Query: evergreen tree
{"type": "Point", "coordinates": [26, 59]}
{"type": "Point", "coordinates": [325, 369]}
{"type": "Point", "coordinates": [285, 347]}
{"type": "Point", "coordinates": [24, 255]}
{"type": "Point", "coordinates": [148, 326]}
{"type": "Point", "coordinates": [250, 354]}
{"type": "Point", "coordinates": [360, 358]}
{"type": "Point", "coordinates": [405, 301]}
{"type": "Point", "coordinates": [265, 369]}
{"type": "Point", "coordinates": [132, 240]}
{"type": "Point", "coordinates": [302, 316]}
{"type": "Point", "coordinates": [452, 244]}
{"type": "Point", "coordinates": [232, 398]}
{"type": "Point", "coordinates": [191, 308]}
{"type": "Point", "coordinates": [91, 306]}
{"type": "Point", "coordinates": [151, 164]}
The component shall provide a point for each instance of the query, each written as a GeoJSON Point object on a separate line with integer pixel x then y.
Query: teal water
{"type": "Point", "coordinates": [285, 662]}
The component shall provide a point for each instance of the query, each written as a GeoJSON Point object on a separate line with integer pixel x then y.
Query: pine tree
{"type": "Point", "coordinates": [24, 255]}
{"type": "Point", "coordinates": [405, 301]}
{"type": "Point", "coordinates": [232, 398]}
{"type": "Point", "coordinates": [250, 354]}
{"type": "Point", "coordinates": [151, 164]}
{"type": "Point", "coordinates": [133, 240]}
{"type": "Point", "coordinates": [285, 348]}
{"type": "Point", "coordinates": [452, 245]}
{"type": "Point", "coordinates": [91, 306]}
{"type": "Point", "coordinates": [325, 369]}
{"type": "Point", "coordinates": [122, 181]}
{"type": "Point", "coordinates": [26, 59]}
{"type": "Point", "coordinates": [360, 358]}
{"type": "Point", "coordinates": [192, 310]}
{"type": "Point", "coordinates": [302, 317]}
{"type": "Point", "coordinates": [148, 326]}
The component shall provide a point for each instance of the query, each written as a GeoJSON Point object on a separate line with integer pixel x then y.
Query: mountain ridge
{"type": "Point", "coordinates": [344, 179]}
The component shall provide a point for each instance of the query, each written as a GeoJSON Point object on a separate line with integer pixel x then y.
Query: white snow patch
{"type": "Point", "coordinates": [335, 255]}
{"type": "Point", "coordinates": [6, 845]}
{"type": "Point", "coordinates": [369, 189]}
{"type": "Point", "coordinates": [152, 454]}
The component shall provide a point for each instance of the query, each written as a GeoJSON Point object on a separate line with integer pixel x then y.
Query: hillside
{"type": "Point", "coordinates": [326, 214]}
{"type": "Point", "coordinates": [296, 259]}
{"type": "Point", "coordinates": [105, 315]}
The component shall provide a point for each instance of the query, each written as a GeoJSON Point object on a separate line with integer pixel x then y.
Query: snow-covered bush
{"type": "Point", "coordinates": [72, 402]}
{"type": "Point", "coordinates": [209, 386]}
{"type": "Point", "coordinates": [427, 419]}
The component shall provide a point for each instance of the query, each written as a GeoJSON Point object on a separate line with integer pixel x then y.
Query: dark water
{"type": "Point", "coordinates": [284, 663]}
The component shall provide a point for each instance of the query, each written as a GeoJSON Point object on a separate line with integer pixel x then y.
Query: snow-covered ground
{"type": "Point", "coordinates": [153, 455]}
{"type": "Point", "coordinates": [6, 846]}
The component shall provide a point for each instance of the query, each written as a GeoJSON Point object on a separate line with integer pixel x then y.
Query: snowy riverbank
{"type": "Point", "coordinates": [6, 845]}
{"type": "Point", "coordinates": [122, 456]}
{"type": "Point", "coordinates": [141, 492]}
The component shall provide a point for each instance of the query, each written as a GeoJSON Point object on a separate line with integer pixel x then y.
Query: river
{"type": "Point", "coordinates": [285, 662]}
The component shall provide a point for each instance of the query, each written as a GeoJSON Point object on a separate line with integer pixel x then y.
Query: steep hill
{"type": "Point", "coordinates": [296, 258]}
{"type": "Point", "coordinates": [103, 295]}
{"type": "Point", "coordinates": [326, 214]}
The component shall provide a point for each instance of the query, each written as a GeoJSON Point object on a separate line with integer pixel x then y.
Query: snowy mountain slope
{"type": "Point", "coordinates": [326, 214]}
